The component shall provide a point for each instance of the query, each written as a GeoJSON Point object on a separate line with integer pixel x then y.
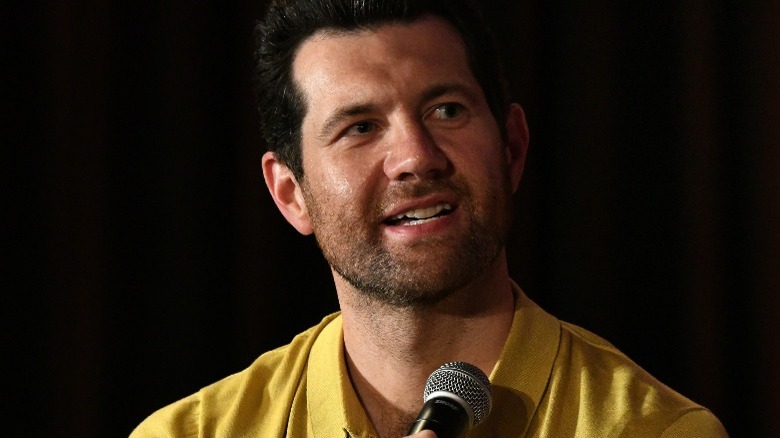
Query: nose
{"type": "Point", "coordinates": [412, 153]}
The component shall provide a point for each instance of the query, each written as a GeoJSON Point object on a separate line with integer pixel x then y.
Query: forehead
{"type": "Point", "coordinates": [412, 53]}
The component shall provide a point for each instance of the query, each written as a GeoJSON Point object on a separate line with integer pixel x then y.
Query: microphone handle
{"type": "Point", "coordinates": [444, 416]}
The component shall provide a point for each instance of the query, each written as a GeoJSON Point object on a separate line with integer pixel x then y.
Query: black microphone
{"type": "Point", "coordinates": [457, 397]}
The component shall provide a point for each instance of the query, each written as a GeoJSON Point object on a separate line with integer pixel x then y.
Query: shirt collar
{"type": "Point", "coordinates": [519, 378]}
{"type": "Point", "coordinates": [333, 406]}
{"type": "Point", "coordinates": [523, 370]}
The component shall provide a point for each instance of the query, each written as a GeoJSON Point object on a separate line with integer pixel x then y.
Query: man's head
{"type": "Point", "coordinates": [290, 22]}
{"type": "Point", "coordinates": [409, 172]}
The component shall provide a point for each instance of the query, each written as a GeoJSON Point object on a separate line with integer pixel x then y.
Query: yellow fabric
{"type": "Point", "coordinates": [553, 379]}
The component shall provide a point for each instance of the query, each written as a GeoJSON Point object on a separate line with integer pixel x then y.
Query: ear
{"type": "Point", "coordinates": [516, 143]}
{"type": "Point", "coordinates": [287, 193]}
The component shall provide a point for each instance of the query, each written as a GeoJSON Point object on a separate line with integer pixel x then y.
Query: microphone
{"type": "Point", "coordinates": [457, 397]}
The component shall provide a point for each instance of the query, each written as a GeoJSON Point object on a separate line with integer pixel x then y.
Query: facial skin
{"type": "Point", "coordinates": [397, 126]}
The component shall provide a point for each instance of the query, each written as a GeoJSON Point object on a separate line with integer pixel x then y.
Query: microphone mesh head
{"type": "Point", "coordinates": [467, 382]}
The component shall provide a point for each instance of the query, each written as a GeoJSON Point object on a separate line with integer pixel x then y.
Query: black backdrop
{"type": "Point", "coordinates": [145, 259]}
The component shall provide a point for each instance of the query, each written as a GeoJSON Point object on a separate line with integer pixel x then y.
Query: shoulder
{"type": "Point", "coordinates": [602, 365]}
{"type": "Point", "coordinates": [597, 374]}
{"type": "Point", "coordinates": [264, 391]}
{"type": "Point", "coordinates": [699, 423]}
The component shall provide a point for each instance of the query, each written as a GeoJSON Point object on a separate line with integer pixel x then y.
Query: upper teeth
{"type": "Point", "coordinates": [423, 213]}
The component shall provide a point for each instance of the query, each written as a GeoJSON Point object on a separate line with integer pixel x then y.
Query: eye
{"type": "Point", "coordinates": [358, 133]}
{"type": "Point", "coordinates": [448, 111]}
{"type": "Point", "coordinates": [360, 128]}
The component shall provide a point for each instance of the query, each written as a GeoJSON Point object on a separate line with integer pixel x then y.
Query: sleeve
{"type": "Point", "coordinates": [699, 423]}
{"type": "Point", "coordinates": [181, 419]}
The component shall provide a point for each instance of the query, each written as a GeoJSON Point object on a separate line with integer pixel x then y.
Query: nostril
{"type": "Point", "coordinates": [423, 164]}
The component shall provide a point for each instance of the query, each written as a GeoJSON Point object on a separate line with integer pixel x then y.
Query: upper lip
{"type": "Point", "coordinates": [419, 203]}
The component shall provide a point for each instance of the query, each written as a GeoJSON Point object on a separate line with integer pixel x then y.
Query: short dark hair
{"type": "Point", "coordinates": [288, 23]}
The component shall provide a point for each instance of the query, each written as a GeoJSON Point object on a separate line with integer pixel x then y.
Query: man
{"type": "Point", "coordinates": [392, 141]}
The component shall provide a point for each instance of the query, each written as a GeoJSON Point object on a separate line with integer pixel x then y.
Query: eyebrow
{"type": "Point", "coordinates": [342, 114]}
{"type": "Point", "coordinates": [446, 88]}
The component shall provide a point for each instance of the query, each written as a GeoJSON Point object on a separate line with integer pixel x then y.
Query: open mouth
{"type": "Point", "coordinates": [420, 215]}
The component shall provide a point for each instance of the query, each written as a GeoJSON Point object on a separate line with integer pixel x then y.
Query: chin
{"type": "Point", "coordinates": [414, 286]}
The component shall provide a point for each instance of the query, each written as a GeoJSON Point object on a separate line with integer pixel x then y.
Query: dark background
{"type": "Point", "coordinates": [145, 258]}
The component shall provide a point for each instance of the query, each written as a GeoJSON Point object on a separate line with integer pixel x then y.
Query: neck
{"type": "Point", "coordinates": [391, 351]}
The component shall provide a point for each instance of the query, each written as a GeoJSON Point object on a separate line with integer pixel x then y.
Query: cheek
{"type": "Point", "coordinates": [337, 184]}
{"type": "Point", "coordinates": [482, 160]}
{"type": "Point", "coordinates": [338, 188]}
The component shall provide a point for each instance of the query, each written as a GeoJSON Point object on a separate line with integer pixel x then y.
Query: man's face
{"type": "Point", "coordinates": [406, 178]}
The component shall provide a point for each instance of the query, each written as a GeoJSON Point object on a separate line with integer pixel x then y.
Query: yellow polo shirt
{"type": "Point", "coordinates": [552, 379]}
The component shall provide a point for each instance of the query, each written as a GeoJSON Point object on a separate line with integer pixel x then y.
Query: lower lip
{"type": "Point", "coordinates": [437, 226]}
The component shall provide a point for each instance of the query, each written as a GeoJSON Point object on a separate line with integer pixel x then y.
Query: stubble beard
{"type": "Point", "coordinates": [354, 248]}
